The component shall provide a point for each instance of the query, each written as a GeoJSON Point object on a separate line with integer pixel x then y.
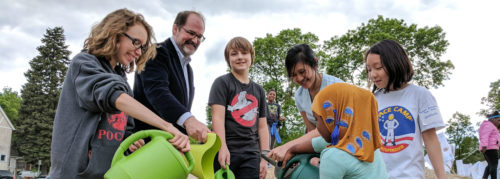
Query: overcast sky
{"type": "Point", "coordinates": [471, 28]}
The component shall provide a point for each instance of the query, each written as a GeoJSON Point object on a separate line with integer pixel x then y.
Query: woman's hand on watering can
{"type": "Point", "coordinates": [136, 145]}
{"type": "Point", "coordinates": [263, 169]}
{"type": "Point", "coordinates": [278, 153]}
{"type": "Point", "coordinates": [224, 157]}
{"type": "Point", "coordinates": [315, 161]}
{"type": "Point", "coordinates": [180, 140]}
{"type": "Point", "coordinates": [289, 154]}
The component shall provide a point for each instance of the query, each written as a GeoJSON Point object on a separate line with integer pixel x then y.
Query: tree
{"type": "Point", "coordinates": [492, 101]}
{"type": "Point", "coordinates": [461, 133]}
{"type": "Point", "coordinates": [10, 102]}
{"type": "Point", "coordinates": [269, 71]}
{"type": "Point", "coordinates": [344, 54]}
{"type": "Point", "coordinates": [471, 154]}
{"type": "Point", "coordinates": [40, 97]}
{"type": "Point", "coordinates": [208, 110]}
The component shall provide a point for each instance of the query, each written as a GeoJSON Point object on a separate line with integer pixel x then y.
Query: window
{"type": "Point", "coordinates": [2, 158]}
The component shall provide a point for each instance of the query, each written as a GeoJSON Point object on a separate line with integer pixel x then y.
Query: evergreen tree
{"type": "Point", "coordinates": [208, 110]}
{"type": "Point", "coordinates": [40, 97]}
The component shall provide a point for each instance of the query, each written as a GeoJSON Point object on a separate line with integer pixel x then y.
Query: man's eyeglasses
{"type": "Point", "coordinates": [137, 43]}
{"type": "Point", "coordinates": [194, 34]}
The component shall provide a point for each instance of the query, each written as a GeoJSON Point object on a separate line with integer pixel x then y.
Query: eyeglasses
{"type": "Point", "coordinates": [194, 34]}
{"type": "Point", "coordinates": [137, 43]}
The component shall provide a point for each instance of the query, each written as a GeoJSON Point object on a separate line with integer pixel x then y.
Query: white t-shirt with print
{"type": "Point", "coordinates": [403, 116]}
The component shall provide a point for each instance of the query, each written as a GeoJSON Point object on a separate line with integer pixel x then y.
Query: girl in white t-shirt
{"type": "Point", "coordinates": [408, 114]}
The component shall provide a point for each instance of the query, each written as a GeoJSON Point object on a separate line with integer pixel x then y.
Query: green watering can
{"type": "Point", "coordinates": [224, 173]}
{"type": "Point", "coordinates": [204, 155]}
{"type": "Point", "coordinates": [157, 159]}
{"type": "Point", "coordinates": [299, 167]}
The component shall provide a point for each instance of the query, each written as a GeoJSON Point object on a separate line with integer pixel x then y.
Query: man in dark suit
{"type": "Point", "coordinates": [166, 84]}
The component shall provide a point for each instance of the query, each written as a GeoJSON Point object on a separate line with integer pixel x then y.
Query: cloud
{"type": "Point", "coordinates": [469, 26]}
{"type": "Point", "coordinates": [15, 47]}
{"type": "Point", "coordinates": [215, 52]}
{"type": "Point", "coordinates": [219, 7]}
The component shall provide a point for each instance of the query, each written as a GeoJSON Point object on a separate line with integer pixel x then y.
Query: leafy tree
{"type": "Point", "coordinates": [470, 153]}
{"type": "Point", "coordinates": [40, 97]}
{"type": "Point", "coordinates": [461, 133]}
{"type": "Point", "coordinates": [208, 110]}
{"type": "Point", "coordinates": [492, 101]}
{"type": "Point", "coordinates": [10, 102]}
{"type": "Point", "coordinates": [344, 54]}
{"type": "Point", "coordinates": [269, 71]}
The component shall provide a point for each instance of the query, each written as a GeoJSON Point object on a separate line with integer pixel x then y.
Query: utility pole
{"type": "Point", "coordinates": [39, 163]}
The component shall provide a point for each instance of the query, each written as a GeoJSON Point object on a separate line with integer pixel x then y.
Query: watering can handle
{"type": "Point", "coordinates": [220, 173]}
{"type": "Point", "coordinates": [136, 136]}
{"type": "Point", "coordinates": [299, 159]}
{"type": "Point", "coordinates": [144, 134]}
{"type": "Point", "coordinates": [264, 153]}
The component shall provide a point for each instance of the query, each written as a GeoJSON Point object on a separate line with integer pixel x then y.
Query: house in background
{"type": "Point", "coordinates": [6, 129]}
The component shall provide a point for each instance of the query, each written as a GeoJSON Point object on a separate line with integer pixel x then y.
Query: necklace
{"type": "Point", "coordinates": [316, 86]}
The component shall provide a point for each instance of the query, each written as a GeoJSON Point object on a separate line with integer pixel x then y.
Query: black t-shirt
{"type": "Point", "coordinates": [273, 113]}
{"type": "Point", "coordinates": [244, 104]}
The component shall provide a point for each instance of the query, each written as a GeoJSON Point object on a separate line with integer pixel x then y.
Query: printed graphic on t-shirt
{"type": "Point", "coordinates": [397, 128]}
{"type": "Point", "coordinates": [118, 121]}
{"type": "Point", "coordinates": [115, 127]}
{"type": "Point", "coordinates": [243, 108]}
{"type": "Point", "coordinates": [273, 110]}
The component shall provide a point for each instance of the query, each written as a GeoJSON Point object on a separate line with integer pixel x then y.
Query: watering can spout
{"type": "Point", "coordinates": [204, 155]}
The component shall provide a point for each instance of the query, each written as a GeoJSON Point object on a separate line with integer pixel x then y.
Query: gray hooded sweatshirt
{"type": "Point", "coordinates": [88, 128]}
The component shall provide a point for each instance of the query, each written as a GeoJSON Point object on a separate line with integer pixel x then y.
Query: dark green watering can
{"type": "Point", "coordinates": [298, 167]}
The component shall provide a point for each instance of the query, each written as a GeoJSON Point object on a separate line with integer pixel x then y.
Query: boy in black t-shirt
{"type": "Point", "coordinates": [239, 114]}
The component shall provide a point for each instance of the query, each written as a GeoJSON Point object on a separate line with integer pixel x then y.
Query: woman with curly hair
{"type": "Point", "coordinates": [95, 107]}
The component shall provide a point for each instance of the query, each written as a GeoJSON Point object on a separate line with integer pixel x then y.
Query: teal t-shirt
{"type": "Point", "coordinates": [336, 163]}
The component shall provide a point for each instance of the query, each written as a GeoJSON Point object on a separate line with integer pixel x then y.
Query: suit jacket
{"type": "Point", "coordinates": [162, 87]}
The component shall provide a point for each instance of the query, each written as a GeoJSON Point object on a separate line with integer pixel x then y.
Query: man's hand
{"type": "Point", "coordinates": [196, 129]}
{"type": "Point", "coordinates": [483, 149]}
{"type": "Point", "coordinates": [224, 157]}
